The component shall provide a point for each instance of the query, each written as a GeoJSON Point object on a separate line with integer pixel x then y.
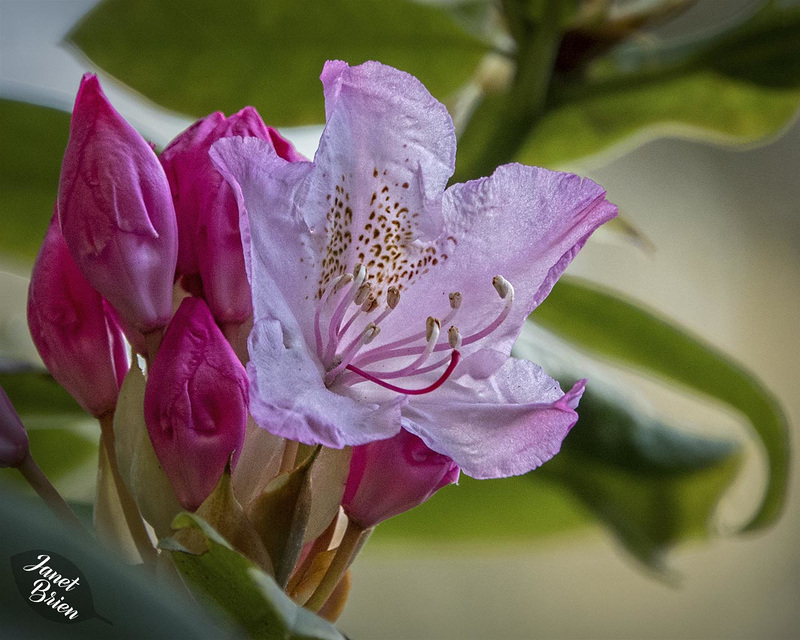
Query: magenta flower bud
{"type": "Point", "coordinates": [209, 243]}
{"type": "Point", "coordinates": [388, 477]}
{"type": "Point", "coordinates": [13, 438]}
{"type": "Point", "coordinates": [116, 211]}
{"type": "Point", "coordinates": [195, 403]}
{"type": "Point", "coordinates": [80, 344]}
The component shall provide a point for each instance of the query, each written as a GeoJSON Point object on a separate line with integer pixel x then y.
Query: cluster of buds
{"type": "Point", "coordinates": [146, 249]}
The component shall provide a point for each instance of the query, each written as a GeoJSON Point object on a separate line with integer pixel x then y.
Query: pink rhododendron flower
{"type": "Point", "coordinates": [79, 341]}
{"type": "Point", "coordinates": [382, 299]}
{"type": "Point", "coordinates": [209, 243]}
{"type": "Point", "coordinates": [388, 477]}
{"type": "Point", "coordinates": [195, 403]}
{"type": "Point", "coordinates": [116, 211]}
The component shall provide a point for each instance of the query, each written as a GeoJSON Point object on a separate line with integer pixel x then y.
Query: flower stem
{"type": "Point", "coordinates": [499, 126]}
{"type": "Point", "coordinates": [289, 455]}
{"type": "Point", "coordinates": [354, 538]}
{"type": "Point", "coordinates": [47, 492]}
{"type": "Point", "coordinates": [132, 516]}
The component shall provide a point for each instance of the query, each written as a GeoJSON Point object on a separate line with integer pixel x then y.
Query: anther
{"type": "Point", "coordinates": [370, 333]}
{"type": "Point", "coordinates": [454, 337]}
{"type": "Point", "coordinates": [455, 300]}
{"type": "Point", "coordinates": [502, 286]}
{"type": "Point", "coordinates": [341, 283]}
{"type": "Point", "coordinates": [393, 297]}
{"type": "Point", "coordinates": [370, 304]}
{"type": "Point", "coordinates": [432, 325]}
{"type": "Point", "coordinates": [363, 291]}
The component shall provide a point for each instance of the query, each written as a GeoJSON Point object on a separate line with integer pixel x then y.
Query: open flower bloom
{"type": "Point", "coordinates": [382, 299]}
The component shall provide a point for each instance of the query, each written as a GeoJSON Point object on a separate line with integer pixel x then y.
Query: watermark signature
{"type": "Point", "coordinates": [53, 586]}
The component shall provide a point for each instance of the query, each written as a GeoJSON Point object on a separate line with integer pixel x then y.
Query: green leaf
{"type": "Point", "coordinates": [138, 605]}
{"type": "Point", "coordinates": [604, 324]}
{"type": "Point", "coordinates": [739, 88]}
{"type": "Point", "coordinates": [702, 104]}
{"type": "Point", "coordinates": [54, 424]}
{"type": "Point", "coordinates": [509, 510]}
{"type": "Point", "coordinates": [59, 451]}
{"type": "Point", "coordinates": [34, 139]}
{"type": "Point", "coordinates": [223, 512]}
{"type": "Point", "coordinates": [652, 485]}
{"type": "Point", "coordinates": [198, 56]}
{"type": "Point", "coordinates": [281, 514]}
{"type": "Point", "coordinates": [223, 578]}
{"type": "Point", "coordinates": [35, 393]}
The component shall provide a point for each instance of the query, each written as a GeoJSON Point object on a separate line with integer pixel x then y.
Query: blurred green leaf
{"type": "Point", "coordinates": [506, 510]}
{"type": "Point", "coordinates": [198, 56]}
{"type": "Point", "coordinates": [223, 578]}
{"type": "Point", "coordinates": [701, 104]}
{"type": "Point", "coordinates": [34, 139]}
{"type": "Point", "coordinates": [52, 419]}
{"type": "Point", "coordinates": [739, 88]}
{"type": "Point", "coordinates": [652, 485]}
{"type": "Point", "coordinates": [138, 605]}
{"type": "Point", "coordinates": [59, 451]}
{"type": "Point", "coordinates": [36, 393]}
{"type": "Point", "coordinates": [604, 324]}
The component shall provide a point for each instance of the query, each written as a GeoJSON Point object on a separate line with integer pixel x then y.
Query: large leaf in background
{"type": "Point", "coordinates": [54, 423]}
{"type": "Point", "coordinates": [741, 88]}
{"type": "Point", "coordinates": [604, 324]}
{"type": "Point", "coordinates": [33, 139]}
{"type": "Point", "coordinates": [652, 485]}
{"type": "Point", "coordinates": [223, 578]}
{"type": "Point", "coordinates": [198, 56]}
{"type": "Point", "coordinates": [138, 605]}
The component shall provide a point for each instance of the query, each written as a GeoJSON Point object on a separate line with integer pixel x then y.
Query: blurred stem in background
{"type": "Point", "coordinates": [497, 141]}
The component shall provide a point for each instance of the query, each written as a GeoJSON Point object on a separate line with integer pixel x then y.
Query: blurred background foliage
{"type": "Point", "coordinates": [534, 81]}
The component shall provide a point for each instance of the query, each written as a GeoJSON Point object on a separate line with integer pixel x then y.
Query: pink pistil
{"type": "Point", "coordinates": [454, 358]}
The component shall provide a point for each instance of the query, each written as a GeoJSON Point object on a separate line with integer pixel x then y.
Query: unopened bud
{"type": "Point", "coordinates": [116, 211]}
{"type": "Point", "coordinates": [80, 343]}
{"type": "Point", "coordinates": [388, 477]}
{"type": "Point", "coordinates": [209, 241]}
{"type": "Point", "coordinates": [195, 403]}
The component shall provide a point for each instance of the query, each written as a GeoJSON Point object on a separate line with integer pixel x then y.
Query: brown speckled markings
{"type": "Point", "coordinates": [385, 244]}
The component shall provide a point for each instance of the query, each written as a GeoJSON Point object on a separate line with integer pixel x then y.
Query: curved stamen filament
{"type": "Point", "coordinates": [455, 356]}
{"type": "Point", "coordinates": [329, 293]}
{"type": "Point", "coordinates": [433, 328]}
{"type": "Point", "coordinates": [455, 304]}
{"type": "Point", "coordinates": [367, 336]}
{"type": "Point", "coordinates": [338, 314]}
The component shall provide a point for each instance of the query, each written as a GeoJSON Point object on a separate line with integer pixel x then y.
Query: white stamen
{"type": "Point", "coordinates": [393, 297]}
{"type": "Point", "coordinates": [454, 337]}
{"type": "Point", "coordinates": [370, 304]}
{"type": "Point", "coordinates": [502, 286]}
{"type": "Point", "coordinates": [363, 291]}
{"type": "Point", "coordinates": [432, 326]}
{"type": "Point", "coordinates": [369, 333]}
{"type": "Point", "coordinates": [455, 300]}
